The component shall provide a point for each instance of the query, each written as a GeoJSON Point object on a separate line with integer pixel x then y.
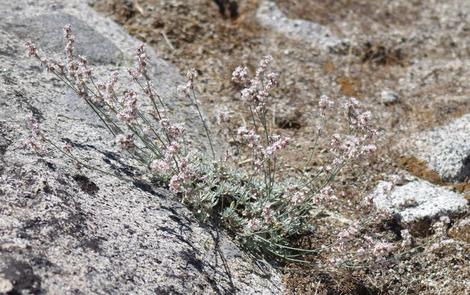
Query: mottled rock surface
{"type": "Point", "coordinates": [65, 230]}
{"type": "Point", "coordinates": [43, 30]}
{"type": "Point", "coordinates": [446, 149]}
{"type": "Point", "coordinates": [389, 97]}
{"type": "Point", "coordinates": [417, 203]}
{"type": "Point", "coordinates": [417, 49]}
{"type": "Point", "coordinates": [270, 16]}
{"type": "Point", "coordinates": [105, 44]}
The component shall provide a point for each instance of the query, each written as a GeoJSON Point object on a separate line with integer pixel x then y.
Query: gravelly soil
{"type": "Point", "coordinates": [417, 49]}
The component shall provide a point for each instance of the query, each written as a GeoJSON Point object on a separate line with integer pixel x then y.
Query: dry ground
{"type": "Point", "coordinates": [416, 48]}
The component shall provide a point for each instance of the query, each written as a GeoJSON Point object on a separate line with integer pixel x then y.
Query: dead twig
{"type": "Point", "coordinates": [138, 7]}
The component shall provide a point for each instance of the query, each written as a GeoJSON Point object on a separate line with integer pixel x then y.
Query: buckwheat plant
{"type": "Point", "coordinates": [260, 207]}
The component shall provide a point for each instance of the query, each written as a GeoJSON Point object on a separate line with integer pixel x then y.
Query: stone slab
{"type": "Point", "coordinates": [270, 16]}
{"type": "Point", "coordinates": [446, 149]}
{"type": "Point", "coordinates": [417, 203]}
{"type": "Point", "coordinates": [45, 31]}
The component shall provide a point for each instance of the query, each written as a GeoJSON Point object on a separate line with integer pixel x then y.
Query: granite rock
{"type": "Point", "coordinates": [389, 97]}
{"type": "Point", "coordinates": [446, 149]}
{"type": "Point", "coordinates": [45, 30]}
{"type": "Point", "coordinates": [70, 230]}
{"type": "Point", "coordinates": [270, 16]}
{"type": "Point", "coordinates": [417, 203]}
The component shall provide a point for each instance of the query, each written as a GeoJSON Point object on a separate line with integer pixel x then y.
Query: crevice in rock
{"type": "Point", "coordinates": [78, 145]}
{"type": "Point", "coordinates": [93, 243]}
{"type": "Point", "coordinates": [21, 276]}
{"type": "Point", "coordinates": [4, 142]}
{"type": "Point", "coordinates": [143, 186]}
{"type": "Point", "coordinates": [86, 185]}
{"type": "Point", "coordinates": [464, 173]}
{"type": "Point", "coordinates": [26, 105]}
{"type": "Point", "coordinates": [108, 157]}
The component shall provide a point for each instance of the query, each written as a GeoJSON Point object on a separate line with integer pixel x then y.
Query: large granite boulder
{"type": "Point", "coordinates": [69, 230]}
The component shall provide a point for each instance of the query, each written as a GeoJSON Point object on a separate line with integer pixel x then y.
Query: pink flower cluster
{"type": "Point", "coordinates": [107, 89]}
{"type": "Point", "coordinates": [296, 197]}
{"type": "Point", "coordinates": [129, 102]}
{"type": "Point", "coordinates": [78, 70]}
{"type": "Point", "coordinates": [263, 65]}
{"type": "Point", "coordinates": [371, 248]}
{"type": "Point", "coordinates": [380, 250]}
{"type": "Point", "coordinates": [347, 235]}
{"type": "Point", "coordinates": [253, 141]}
{"type": "Point", "coordinates": [142, 61]}
{"type": "Point", "coordinates": [36, 137]}
{"type": "Point", "coordinates": [172, 130]}
{"type": "Point", "coordinates": [347, 146]}
{"type": "Point", "coordinates": [357, 119]}
{"type": "Point", "coordinates": [32, 50]}
{"type": "Point", "coordinates": [141, 71]}
{"type": "Point", "coordinates": [160, 165]}
{"type": "Point", "coordinates": [187, 88]}
{"type": "Point", "coordinates": [125, 141]}
{"type": "Point", "coordinates": [222, 115]}
{"type": "Point", "coordinates": [351, 146]}
{"type": "Point", "coordinates": [407, 238]}
{"type": "Point", "coordinates": [177, 181]}
{"type": "Point", "coordinates": [440, 227]}
{"type": "Point", "coordinates": [51, 65]}
{"type": "Point", "coordinates": [240, 75]}
{"type": "Point", "coordinates": [278, 143]}
{"type": "Point", "coordinates": [164, 165]}
{"type": "Point", "coordinates": [324, 195]}
{"type": "Point", "coordinates": [253, 225]}
{"type": "Point", "coordinates": [249, 137]}
{"type": "Point", "coordinates": [83, 72]}
{"type": "Point", "coordinates": [324, 103]}
{"type": "Point", "coordinates": [264, 151]}
{"type": "Point", "coordinates": [256, 91]}
{"type": "Point", "coordinates": [70, 40]}
{"type": "Point", "coordinates": [267, 214]}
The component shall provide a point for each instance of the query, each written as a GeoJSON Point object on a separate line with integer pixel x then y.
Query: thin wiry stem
{"type": "Point", "coordinates": [209, 137]}
{"type": "Point", "coordinates": [70, 155]}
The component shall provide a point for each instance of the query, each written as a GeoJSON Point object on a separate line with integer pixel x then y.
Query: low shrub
{"type": "Point", "coordinates": [261, 207]}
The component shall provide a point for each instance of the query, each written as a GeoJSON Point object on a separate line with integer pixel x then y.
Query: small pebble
{"type": "Point", "coordinates": [5, 286]}
{"type": "Point", "coordinates": [389, 97]}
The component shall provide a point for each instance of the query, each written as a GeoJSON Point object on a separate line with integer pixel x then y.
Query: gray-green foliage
{"type": "Point", "coordinates": [262, 208]}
